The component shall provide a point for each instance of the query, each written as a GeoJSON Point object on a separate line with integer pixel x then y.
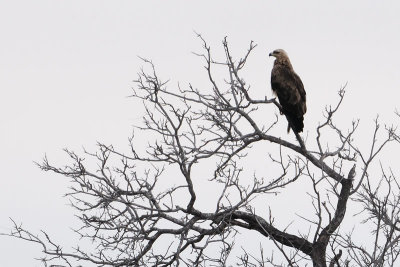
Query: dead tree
{"type": "Point", "coordinates": [148, 207]}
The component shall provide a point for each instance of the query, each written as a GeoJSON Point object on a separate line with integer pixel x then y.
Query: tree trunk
{"type": "Point", "coordinates": [318, 255]}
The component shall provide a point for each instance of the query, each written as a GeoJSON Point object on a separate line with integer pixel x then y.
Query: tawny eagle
{"type": "Point", "coordinates": [287, 85]}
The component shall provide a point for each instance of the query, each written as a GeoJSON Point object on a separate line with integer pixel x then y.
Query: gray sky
{"type": "Point", "coordinates": [66, 69]}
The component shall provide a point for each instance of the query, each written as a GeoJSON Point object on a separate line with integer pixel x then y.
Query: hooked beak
{"type": "Point", "coordinates": [270, 54]}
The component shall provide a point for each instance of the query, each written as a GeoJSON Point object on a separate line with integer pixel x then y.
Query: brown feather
{"type": "Point", "coordinates": [289, 88]}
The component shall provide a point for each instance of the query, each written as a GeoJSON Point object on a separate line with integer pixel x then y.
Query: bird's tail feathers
{"type": "Point", "coordinates": [297, 123]}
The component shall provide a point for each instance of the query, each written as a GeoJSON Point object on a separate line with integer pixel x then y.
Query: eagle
{"type": "Point", "coordinates": [287, 85]}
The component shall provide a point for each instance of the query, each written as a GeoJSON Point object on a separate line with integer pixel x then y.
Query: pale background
{"type": "Point", "coordinates": [66, 69]}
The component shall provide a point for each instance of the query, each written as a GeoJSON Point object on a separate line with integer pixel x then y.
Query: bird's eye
{"type": "Point", "coordinates": [277, 52]}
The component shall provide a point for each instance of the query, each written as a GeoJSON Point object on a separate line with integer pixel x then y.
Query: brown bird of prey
{"type": "Point", "coordinates": [287, 85]}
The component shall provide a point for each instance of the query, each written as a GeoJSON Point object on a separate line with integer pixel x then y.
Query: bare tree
{"type": "Point", "coordinates": [380, 199]}
{"type": "Point", "coordinates": [148, 207]}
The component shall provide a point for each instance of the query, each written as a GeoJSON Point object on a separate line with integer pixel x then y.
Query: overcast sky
{"type": "Point", "coordinates": [66, 69]}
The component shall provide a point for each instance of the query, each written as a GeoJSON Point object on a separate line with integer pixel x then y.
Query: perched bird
{"type": "Point", "coordinates": [287, 85]}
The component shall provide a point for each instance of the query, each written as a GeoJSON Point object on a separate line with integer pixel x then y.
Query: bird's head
{"type": "Point", "coordinates": [278, 53]}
